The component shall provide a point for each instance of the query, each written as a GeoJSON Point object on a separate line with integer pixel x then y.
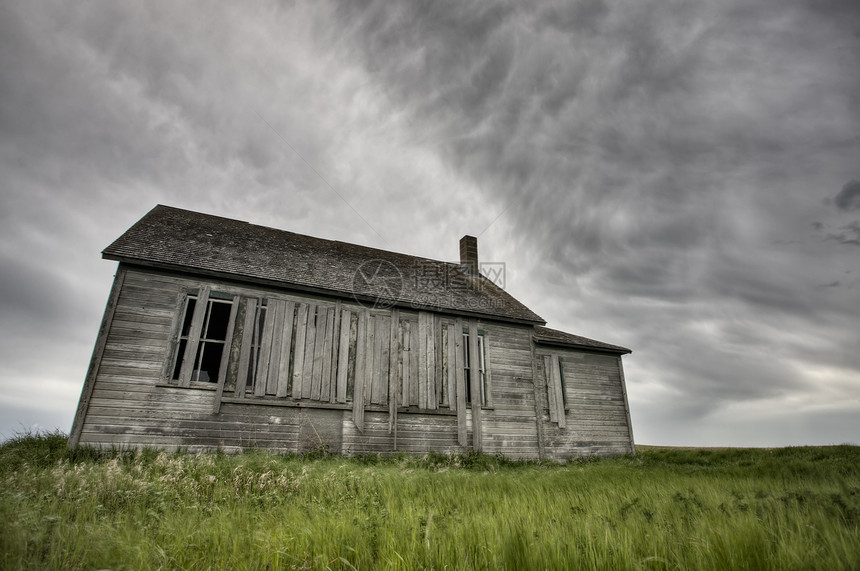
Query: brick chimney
{"type": "Point", "coordinates": [469, 254]}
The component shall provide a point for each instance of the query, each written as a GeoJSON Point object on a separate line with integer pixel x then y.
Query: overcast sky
{"type": "Point", "coordinates": [681, 178]}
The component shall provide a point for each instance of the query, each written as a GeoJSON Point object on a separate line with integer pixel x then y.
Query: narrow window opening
{"type": "Point", "coordinates": [481, 368]}
{"type": "Point", "coordinates": [563, 385]}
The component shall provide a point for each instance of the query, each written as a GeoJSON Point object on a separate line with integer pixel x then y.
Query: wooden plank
{"type": "Point", "coordinates": [438, 351]}
{"type": "Point", "coordinates": [283, 387]}
{"type": "Point", "coordinates": [299, 352]}
{"type": "Point", "coordinates": [360, 372]}
{"type": "Point", "coordinates": [245, 350]}
{"type": "Point", "coordinates": [135, 327]}
{"type": "Point", "coordinates": [225, 356]}
{"type": "Point", "coordinates": [559, 397]}
{"type": "Point", "coordinates": [384, 365]}
{"type": "Point", "coordinates": [370, 357]}
{"type": "Point", "coordinates": [334, 353]}
{"type": "Point", "coordinates": [142, 315]}
{"type": "Point", "coordinates": [477, 436]}
{"type": "Point", "coordinates": [325, 385]}
{"type": "Point", "coordinates": [422, 360]}
{"type": "Point", "coordinates": [319, 351]}
{"type": "Point", "coordinates": [264, 351]}
{"type": "Point", "coordinates": [374, 379]}
{"type": "Point", "coordinates": [406, 371]}
{"type": "Point", "coordinates": [488, 379]}
{"type": "Point", "coordinates": [193, 342]}
{"type": "Point", "coordinates": [414, 358]}
{"type": "Point", "coordinates": [343, 356]}
{"type": "Point", "coordinates": [95, 360]}
{"type": "Point", "coordinates": [460, 381]}
{"type": "Point", "coordinates": [451, 367]}
{"type": "Point", "coordinates": [310, 345]}
{"type": "Point", "coordinates": [447, 377]}
{"type": "Point", "coordinates": [277, 310]}
{"type": "Point", "coordinates": [430, 355]}
{"type": "Point", "coordinates": [550, 389]}
{"type": "Point", "coordinates": [353, 349]}
{"type": "Point", "coordinates": [393, 372]}
{"type": "Point", "coordinates": [381, 358]}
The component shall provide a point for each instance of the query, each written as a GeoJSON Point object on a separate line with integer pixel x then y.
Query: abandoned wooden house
{"type": "Point", "coordinates": [220, 334]}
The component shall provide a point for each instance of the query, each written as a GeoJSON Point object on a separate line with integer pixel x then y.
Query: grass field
{"type": "Point", "coordinates": [790, 508]}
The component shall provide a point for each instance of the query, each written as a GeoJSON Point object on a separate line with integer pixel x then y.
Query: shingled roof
{"type": "Point", "coordinates": [555, 337]}
{"type": "Point", "coordinates": [176, 239]}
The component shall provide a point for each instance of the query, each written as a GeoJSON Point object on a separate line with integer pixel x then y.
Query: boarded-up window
{"type": "Point", "coordinates": [273, 347]}
{"type": "Point", "coordinates": [555, 390]}
{"type": "Point", "coordinates": [255, 338]}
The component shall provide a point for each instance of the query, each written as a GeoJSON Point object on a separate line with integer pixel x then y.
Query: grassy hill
{"type": "Point", "coordinates": [789, 508]}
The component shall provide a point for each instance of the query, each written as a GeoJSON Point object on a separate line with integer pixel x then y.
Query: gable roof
{"type": "Point", "coordinates": [548, 336]}
{"type": "Point", "coordinates": [176, 239]}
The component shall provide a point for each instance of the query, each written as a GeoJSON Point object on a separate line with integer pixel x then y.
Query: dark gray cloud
{"type": "Point", "coordinates": [658, 151]}
{"type": "Point", "coordinates": [848, 234]}
{"type": "Point", "coordinates": [849, 197]}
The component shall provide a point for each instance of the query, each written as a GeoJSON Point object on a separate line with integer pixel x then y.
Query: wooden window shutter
{"type": "Point", "coordinates": [225, 359]}
{"type": "Point", "coordinates": [245, 350]}
{"type": "Point", "coordinates": [360, 370]}
{"type": "Point", "coordinates": [194, 337]}
{"type": "Point", "coordinates": [554, 390]}
{"type": "Point", "coordinates": [475, 378]}
{"type": "Point", "coordinates": [343, 356]}
{"type": "Point", "coordinates": [283, 365]}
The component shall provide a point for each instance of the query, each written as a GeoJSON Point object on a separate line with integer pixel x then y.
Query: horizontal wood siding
{"type": "Point", "coordinates": [509, 426]}
{"type": "Point", "coordinates": [596, 414]}
{"type": "Point", "coordinates": [416, 433]}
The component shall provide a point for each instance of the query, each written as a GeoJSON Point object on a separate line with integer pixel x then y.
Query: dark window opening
{"type": "Point", "coordinates": [561, 378]}
{"type": "Point", "coordinates": [481, 369]}
{"type": "Point", "coordinates": [210, 344]}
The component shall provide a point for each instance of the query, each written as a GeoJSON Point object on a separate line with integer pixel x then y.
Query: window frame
{"type": "Point", "coordinates": [483, 369]}
{"type": "Point", "coordinates": [181, 369]}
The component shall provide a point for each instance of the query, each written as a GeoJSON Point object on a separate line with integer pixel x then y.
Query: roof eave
{"type": "Point", "coordinates": [616, 350]}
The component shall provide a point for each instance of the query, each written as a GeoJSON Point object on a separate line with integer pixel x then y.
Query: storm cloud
{"type": "Point", "coordinates": [849, 197]}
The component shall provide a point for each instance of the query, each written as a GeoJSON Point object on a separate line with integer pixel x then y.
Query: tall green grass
{"type": "Point", "coordinates": [794, 508]}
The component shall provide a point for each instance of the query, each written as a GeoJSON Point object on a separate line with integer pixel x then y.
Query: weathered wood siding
{"type": "Point", "coordinates": [592, 417]}
{"type": "Point", "coordinates": [305, 371]}
{"type": "Point", "coordinates": [508, 424]}
{"type": "Point", "coordinates": [126, 408]}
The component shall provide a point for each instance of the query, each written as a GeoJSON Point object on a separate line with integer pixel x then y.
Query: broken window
{"type": "Point", "coordinates": [200, 349]}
